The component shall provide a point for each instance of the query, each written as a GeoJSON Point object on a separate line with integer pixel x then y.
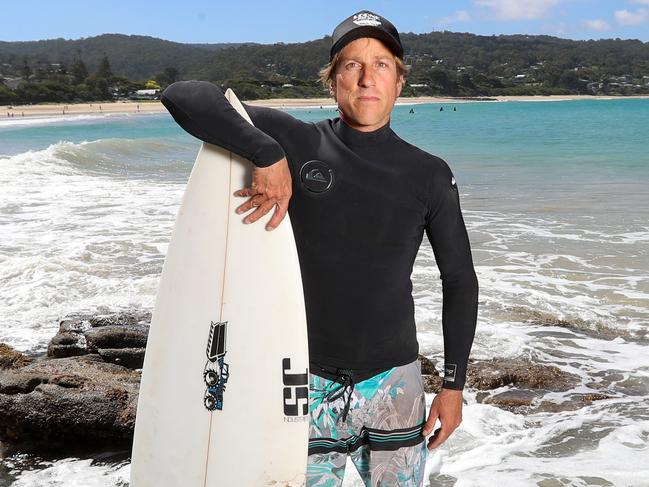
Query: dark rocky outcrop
{"type": "Point", "coordinates": [526, 384]}
{"type": "Point", "coordinates": [68, 400]}
{"type": "Point", "coordinates": [118, 338]}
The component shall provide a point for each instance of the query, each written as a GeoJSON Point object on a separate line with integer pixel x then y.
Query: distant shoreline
{"type": "Point", "coordinates": [150, 107]}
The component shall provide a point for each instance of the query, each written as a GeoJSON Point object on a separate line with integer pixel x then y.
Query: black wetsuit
{"type": "Point", "coordinates": [360, 206]}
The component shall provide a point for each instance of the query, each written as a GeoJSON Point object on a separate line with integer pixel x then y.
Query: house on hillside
{"type": "Point", "coordinates": [12, 83]}
{"type": "Point", "coordinates": [151, 94]}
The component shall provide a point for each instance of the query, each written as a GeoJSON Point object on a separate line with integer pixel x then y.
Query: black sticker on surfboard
{"type": "Point", "coordinates": [296, 391]}
{"type": "Point", "coordinates": [216, 371]}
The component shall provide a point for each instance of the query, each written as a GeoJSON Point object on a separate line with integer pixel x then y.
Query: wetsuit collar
{"type": "Point", "coordinates": [353, 137]}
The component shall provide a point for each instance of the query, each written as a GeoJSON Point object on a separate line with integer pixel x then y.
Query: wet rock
{"type": "Point", "coordinates": [12, 358]}
{"type": "Point", "coordinates": [67, 344]}
{"type": "Point", "coordinates": [513, 400]}
{"type": "Point", "coordinates": [521, 373]}
{"type": "Point", "coordinates": [68, 401]}
{"type": "Point", "coordinates": [432, 383]}
{"type": "Point", "coordinates": [117, 337]}
{"type": "Point", "coordinates": [580, 327]}
{"type": "Point", "coordinates": [498, 372]}
{"type": "Point", "coordinates": [525, 383]}
{"type": "Point", "coordinates": [132, 358]}
{"type": "Point", "coordinates": [576, 401]}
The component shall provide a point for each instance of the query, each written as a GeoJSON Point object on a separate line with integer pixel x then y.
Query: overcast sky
{"type": "Point", "coordinates": [297, 21]}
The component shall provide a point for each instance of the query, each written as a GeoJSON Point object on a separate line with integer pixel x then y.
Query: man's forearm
{"type": "Point", "coordinates": [459, 316]}
{"type": "Point", "coordinates": [201, 109]}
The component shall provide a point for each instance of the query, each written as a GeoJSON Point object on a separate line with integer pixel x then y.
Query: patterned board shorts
{"type": "Point", "coordinates": [381, 432]}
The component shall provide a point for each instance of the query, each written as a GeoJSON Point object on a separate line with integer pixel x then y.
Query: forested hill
{"type": "Point", "coordinates": [134, 57]}
{"type": "Point", "coordinates": [443, 63]}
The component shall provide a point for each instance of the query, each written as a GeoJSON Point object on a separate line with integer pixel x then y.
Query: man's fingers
{"type": "Point", "coordinates": [278, 216]}
{"type": "Point", "coordinates": [246, 192]}
{"type": "Point", "coordinates": [430, 422]}
{"type": "Point", "coordinates": [259, 212]}
{"type": "Point", "coordinates": [438, 438]}
{"type": "Point", "coordinates": [253, 202]}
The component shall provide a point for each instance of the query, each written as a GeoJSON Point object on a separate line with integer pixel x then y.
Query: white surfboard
{"type": "Point", "coordinates": [223, 398]}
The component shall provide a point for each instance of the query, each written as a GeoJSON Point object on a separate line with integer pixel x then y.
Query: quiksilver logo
{"type": "Point", "coordinates": [366, 18]}
{"type": "Point", "coordinates": [316, 176]}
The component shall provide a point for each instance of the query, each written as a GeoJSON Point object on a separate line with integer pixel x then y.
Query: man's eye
{"type": "Point", "coordinates": [352, 65]}
{"type": "Point", "coordinates": [382, 64]}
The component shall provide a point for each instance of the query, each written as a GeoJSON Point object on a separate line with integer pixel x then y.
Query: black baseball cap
{"type": "Point", "coordinates": [365, 24]}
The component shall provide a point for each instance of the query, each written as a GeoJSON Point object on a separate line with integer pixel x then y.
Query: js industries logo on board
{"type": "Point", "coordinates": [296, 393]}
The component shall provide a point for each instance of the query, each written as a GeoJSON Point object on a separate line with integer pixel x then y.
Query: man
{"type": "Point", "coordinates": [360, 201]}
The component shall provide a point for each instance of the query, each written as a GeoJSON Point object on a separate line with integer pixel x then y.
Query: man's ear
{"type": "Point", "coordinates": [332, 90]}
{"type": "Point", "coordinates": [400, 83]}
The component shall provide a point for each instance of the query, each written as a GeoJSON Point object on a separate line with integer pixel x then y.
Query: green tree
{"type": "Point", "coordinates": [167, 76]}
{"type": "Point", "coordinates": [79, 71]}
{"type": "Point", "coordinates": [26, 71]}
{"type": "Point", "coordinates": [151, 85]}
{"type": "Point", "coordinates": [7, 97]}
{"type": "Point", "coordinates": [103, 70]}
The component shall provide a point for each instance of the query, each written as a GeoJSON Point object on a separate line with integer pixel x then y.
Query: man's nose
{"type": "Point", "coordinates": [367, 77]}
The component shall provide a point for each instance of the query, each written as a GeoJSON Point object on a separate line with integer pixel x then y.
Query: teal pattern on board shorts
{"type": "Point", "coordinates": [381, 434]}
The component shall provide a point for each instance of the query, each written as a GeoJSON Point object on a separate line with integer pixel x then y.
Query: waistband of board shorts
{"type": "Point", "coordinates": [335, 373]}
{"type": "Point", "coordinates": [347, 378]}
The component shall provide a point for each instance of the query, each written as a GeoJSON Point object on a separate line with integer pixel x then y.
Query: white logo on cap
{"type": "Point", "coordinates": [367, 18]}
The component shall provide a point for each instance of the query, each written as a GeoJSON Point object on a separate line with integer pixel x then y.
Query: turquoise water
{"type": "Point", "coordinates": [565, 134]}
{"type": "Point", "coordinates": [555, 200]}
{"type": "Point", "coordinates": [20, 135]}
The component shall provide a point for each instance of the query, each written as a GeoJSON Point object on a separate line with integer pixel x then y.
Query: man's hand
{"type": "Point", "coordinates": [447, 406]}
{"type": "Point", "coordinates": [270, 186]}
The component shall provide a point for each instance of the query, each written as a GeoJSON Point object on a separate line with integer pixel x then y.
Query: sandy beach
{"type": "Point", "coordinates": [147, 107]}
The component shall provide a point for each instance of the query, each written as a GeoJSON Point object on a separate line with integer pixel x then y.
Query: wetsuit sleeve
{"type": "Point", "coordinates": [447, 234]}
{"type": "Point", "coordinates": [200, 108]}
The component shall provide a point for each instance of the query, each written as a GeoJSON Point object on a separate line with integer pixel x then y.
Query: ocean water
{"type": "Point", "coordinates": [555, 199]}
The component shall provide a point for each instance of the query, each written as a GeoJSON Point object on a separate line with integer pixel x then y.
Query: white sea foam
{"type": "Point", "coordinates": [513, 449]}
{"type": "Point", "coordinates": [51, 120]}
{"type": "Point", "coordinates": [78, 237]}
{"type": "Point", "coordinates": [44, 120]}
{"type": "Point", "coordinates": [72, 472]}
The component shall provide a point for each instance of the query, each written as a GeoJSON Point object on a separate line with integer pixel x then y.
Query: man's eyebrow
{"type": "Point", "coordinates": [378, 56]}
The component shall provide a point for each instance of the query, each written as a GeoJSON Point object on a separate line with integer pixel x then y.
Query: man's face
{"type": "Point", "coordinates": [366, 84]}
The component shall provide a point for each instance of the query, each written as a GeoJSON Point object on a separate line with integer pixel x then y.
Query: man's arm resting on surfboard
{"type": "Point", "coordinates": [201, 109]}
